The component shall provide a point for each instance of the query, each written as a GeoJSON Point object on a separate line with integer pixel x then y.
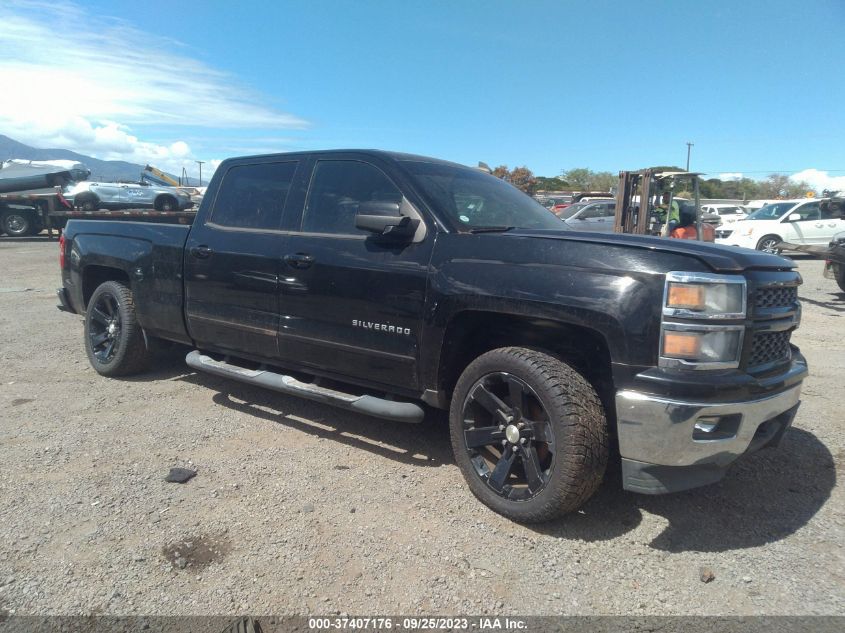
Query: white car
{"type": "Point", "coordinates": [795, 221]}
{"type": "Point", "coordinates": [728, 214]}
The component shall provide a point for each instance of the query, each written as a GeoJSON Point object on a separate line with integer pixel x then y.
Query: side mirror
{"type": "Point", "coordinates": [384, 218]}
{"type": "Point", "coordinates": [793, 217]}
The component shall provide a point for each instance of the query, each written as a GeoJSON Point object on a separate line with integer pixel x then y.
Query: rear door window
{"type": "Point", "coordinates": [253, 196]}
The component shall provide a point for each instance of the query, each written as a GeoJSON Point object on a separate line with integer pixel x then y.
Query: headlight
{"type": "Point", "coordinates": [701, 346]}
{"type": "Point", "coordinates": [704, 296]}
{"type": "Point", "coordinates": [689, 299]}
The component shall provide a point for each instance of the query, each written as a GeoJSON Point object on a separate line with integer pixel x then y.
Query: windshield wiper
{"type": "Point", "coordinates": [491, 229]}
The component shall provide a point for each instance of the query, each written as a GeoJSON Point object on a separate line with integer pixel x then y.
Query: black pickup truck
{"type": "Point", "coordinates": [386, 283]}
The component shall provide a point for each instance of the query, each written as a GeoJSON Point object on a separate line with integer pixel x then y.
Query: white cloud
{"type": "Point", "coordinates": [820, 180]}
{"type": "Point", "coordinates": [731, 175]}
{"type": "Point", "coordinates": [88, 84]}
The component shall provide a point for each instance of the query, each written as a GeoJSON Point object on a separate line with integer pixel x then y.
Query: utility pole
{"type": "Point", "coordinates": [200, 163]}
{"type": "Point", "coordinates": [689, 148]}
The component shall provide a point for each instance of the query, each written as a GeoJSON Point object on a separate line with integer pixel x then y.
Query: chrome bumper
{"type": "Point", "coordinates": [663, 432]}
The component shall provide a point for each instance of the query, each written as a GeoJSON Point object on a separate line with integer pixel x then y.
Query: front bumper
{"type": "Point", "coordinates": [666, 444]}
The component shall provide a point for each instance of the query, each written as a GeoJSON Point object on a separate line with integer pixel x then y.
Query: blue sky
{"type": "Point", "coordinates": [757, 86]}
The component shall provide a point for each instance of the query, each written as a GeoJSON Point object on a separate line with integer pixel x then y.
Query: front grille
{"type": "Point", "coordinates": [776, 297]}
{"type": "Point", "coordinates": [769, 347]}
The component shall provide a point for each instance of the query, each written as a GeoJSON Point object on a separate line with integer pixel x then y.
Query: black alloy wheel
{"type": "Point", "coordinates": [508, 436]}
{"type": "Point", "coordinates": [529, 433]}
{"type": "Point", "coordinates": [104, 331]}
{"type": "Point", "coordinates": [114, 340]}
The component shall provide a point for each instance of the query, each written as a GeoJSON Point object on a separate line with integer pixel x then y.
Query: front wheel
{"type": "Point", "coordinates": [839, 275]}
{"type": "Point", "coordinates": [769, 244]}
{"type": "Point", "coordinates": [114, 340]}
{"type": "Point", "coordinates": [529, 434]}
{"type": "Point", "coordinates": [167, 204]}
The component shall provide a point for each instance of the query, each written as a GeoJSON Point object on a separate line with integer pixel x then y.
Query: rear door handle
{"type": "Point", "coordinates": [201, 252]}
{"type": "Point", "coordinates": [299, 260]}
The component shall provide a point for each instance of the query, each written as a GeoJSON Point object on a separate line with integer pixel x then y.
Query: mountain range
{"type": "Point", "coordinates": [101, 170]}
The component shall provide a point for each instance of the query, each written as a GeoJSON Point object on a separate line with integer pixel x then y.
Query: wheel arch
{"type": "Point", "coordinates": [767, 236]}
{"type": "Point", "coordinates": [94, 275]}
{"type": "Point", "coordinates": [471, 333]}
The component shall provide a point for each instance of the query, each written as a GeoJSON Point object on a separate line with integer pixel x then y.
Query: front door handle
{"type": "Point", "coordinates": [299, 260]}
{"type": "Point", "coordinates": [201, 252]}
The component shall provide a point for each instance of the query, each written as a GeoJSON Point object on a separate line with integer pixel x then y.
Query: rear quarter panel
{"type": "Point", "coordinates": [150, 257]}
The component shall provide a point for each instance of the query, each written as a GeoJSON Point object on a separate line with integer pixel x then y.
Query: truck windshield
{"type": "Point", "coordinates": [475, 200]}
{"type": "Point", "coordinates": [771, 211]}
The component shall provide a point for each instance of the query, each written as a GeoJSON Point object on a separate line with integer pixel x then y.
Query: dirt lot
{"type": "Point", "coordinates": [301, 508]}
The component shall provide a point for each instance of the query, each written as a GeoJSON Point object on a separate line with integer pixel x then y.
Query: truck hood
{"type": "Point", "coordinates": [717, 257]}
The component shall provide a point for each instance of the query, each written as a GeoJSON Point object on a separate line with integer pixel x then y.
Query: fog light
{"type": "Point", "coordinates": [706, 427]}
{"type": "Point", "coordinates": [709, 428]}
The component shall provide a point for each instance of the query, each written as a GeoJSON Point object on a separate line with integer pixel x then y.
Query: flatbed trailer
{"type": "Point", "coordinates": [28, 213]}
{"type": "Point", "coordinates": [129, 215]}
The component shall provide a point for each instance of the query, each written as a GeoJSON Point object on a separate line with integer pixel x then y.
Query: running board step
{"type": "Point", "coordinates": [368, 405]}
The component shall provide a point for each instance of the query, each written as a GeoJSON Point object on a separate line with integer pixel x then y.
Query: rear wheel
{"type": "Point", "coordinates": [114, 340]}
{"type": "Point", "coordinates": [19, 223]}
{"type": "Point", "coordinates": [769, 244]}
{"type": "Point", "coordinates": [88, 203]}
{"type": "Point", "coordinates": [529, 434]}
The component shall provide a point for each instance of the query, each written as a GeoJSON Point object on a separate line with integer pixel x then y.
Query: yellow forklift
{"type": "Point", "coordinates": [639, 193]}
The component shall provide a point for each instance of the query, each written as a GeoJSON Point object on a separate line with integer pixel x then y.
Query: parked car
{"type": "Point", "coordinates": [800, 221]}
{"type": "Point", "coordinates": [90, 196]}
{"type": "Point", "coordinates": [382, 282]}
{"type": "Point", "coordinates": [590, 216]}
{"type": "Point", "coordinates": [834, 266]}
{"type": "Point", "coordinates": [728, 213]}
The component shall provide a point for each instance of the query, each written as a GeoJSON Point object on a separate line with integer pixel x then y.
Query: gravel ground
{"type": "Point", "coordinates": [301, 508]}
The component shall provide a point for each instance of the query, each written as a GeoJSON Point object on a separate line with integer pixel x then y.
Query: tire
{"type": "Point", "coordinates": [767, 244]}
{"type": "Point", "coordinates": [536, 461]}
{"type": "Point", "coordinates": [839, 275]}
{"type": "Point", "coordinates": [114, 341]}
{"type": "Point", "coordinates": [167, 203]}
{"type": "Point", "coordinates": [87, 203]}
{"type": "Point", "coordinates": [19, 223]}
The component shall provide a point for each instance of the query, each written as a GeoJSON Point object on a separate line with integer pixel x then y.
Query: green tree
{"type": "Point", "coordinates": [603, 181]}
{"type": "Point", "coordinates": [584, 179]}
{"type": "Point", "coordinates": [551, 184]}
{"type": "Point", "coordinates": [578, 178]}
{"type": "Point", "coordinates": [781, 186]}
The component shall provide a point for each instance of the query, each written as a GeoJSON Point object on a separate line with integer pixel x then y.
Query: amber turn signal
{"type": "Point", "coordinates": [681, 344]}
{"type": "Point", "coordinates": [687, 296]}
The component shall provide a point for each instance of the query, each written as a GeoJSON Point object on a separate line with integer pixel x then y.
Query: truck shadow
{"type": "Point", "coordinates": [764, 498]}
{"type": "Point", "coordinates": [424, 444]}
{"type": "Point", "coordinates": [837, 303]}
